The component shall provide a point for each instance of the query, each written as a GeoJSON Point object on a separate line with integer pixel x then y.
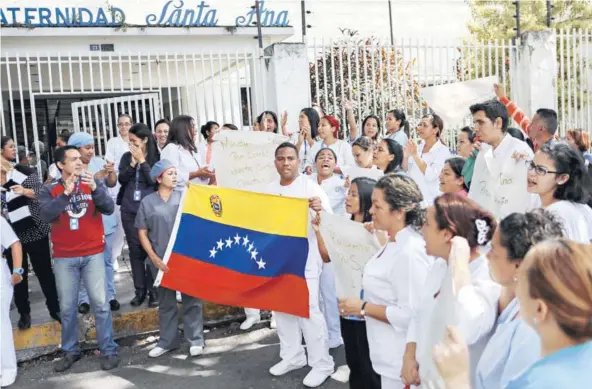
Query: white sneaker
{"type": "Point", "coordinates": [283, 367]}
{"type": "Point", "coordinates": [194, 351]}
{"type": "Point", "coordinates": [157, 352]}
{"type": "Point", "coordinates": [315, 378]}
{"type": "Point", "coordinates": [250, 322]}
{"type": "Point", "coordinates": [179, 298]}
{"type": "Point", "coordinates": [272, 323]}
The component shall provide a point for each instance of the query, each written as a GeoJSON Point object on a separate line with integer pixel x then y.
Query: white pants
{"type": "Point", "coordinates": [119, 238]}
{"type": "Point", "coordinates": [329, 304]}
{"type": "Point", "coordinates": [290, 329]}
{"type": "Point", "coordinates": [7, 352]}
{"type": "Point", "coordinates": [390, 383]}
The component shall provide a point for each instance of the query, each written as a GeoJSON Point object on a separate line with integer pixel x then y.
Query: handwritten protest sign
{"type": "Point", "coordinates": [245, 159]}
{"type": "Point", "coordinates": [452, 101]}
{"type": "Point", "coordinates": [355, 172]}
{"type": "Point", "coordinates": [350, 247]}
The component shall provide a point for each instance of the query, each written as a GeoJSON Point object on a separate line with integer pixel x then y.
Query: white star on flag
{"type": "Point", "coordinates": [228, 242]}
{"type": "Point", "coordinates": [213, 253]}
{"type": "Point", "coordinates": [261, 264]}
{"type": "Point", "coordinates": [254, 254]}
{"type": "Point", "coordinates": [251, 247]}
{"type": "Point", "coordinates": [220, 244]}
{"type": "Point", "coordinates": [246, 240]}
{"type": "Point", "coordinates": [237, 239]}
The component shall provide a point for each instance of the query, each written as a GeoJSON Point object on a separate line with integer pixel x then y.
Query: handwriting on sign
{"type": "Point", "coordinates": [504, 180]}
{"type": "Point", "coordinates": [485, 188]}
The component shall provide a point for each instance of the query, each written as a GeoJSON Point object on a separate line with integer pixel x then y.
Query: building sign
{"type": "Point", "coordinates": [174, 13]}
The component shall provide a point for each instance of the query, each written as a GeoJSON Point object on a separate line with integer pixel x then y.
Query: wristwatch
{"type": "Point", "coordinates": [18, 270]}
{"type": "Point", "coordinates": [363, 310]}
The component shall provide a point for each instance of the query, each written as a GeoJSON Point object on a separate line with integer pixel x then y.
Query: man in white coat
{"type": "Point", "coordinates": [291, 328]}
{"type": "Point", "coordinates": [500, 175]}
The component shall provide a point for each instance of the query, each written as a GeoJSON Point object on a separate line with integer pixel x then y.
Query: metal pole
{"type": "Point", "coordinates": [391, 21]}
{"type": "Point", "coordinates": [517, 16]}
{"type": "Point", "coordinates": [259, 34]}
{"type": "Point", "coordinates": [549, 18]}
{"type": "Point", "coordinates": [303, 11]}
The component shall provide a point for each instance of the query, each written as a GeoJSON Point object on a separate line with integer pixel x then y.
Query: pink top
{"type": "Point", "coordinates": [463, 193]}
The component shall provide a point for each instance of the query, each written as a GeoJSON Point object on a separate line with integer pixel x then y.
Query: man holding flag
{"type": "Point", "coordinates": [290, 328]}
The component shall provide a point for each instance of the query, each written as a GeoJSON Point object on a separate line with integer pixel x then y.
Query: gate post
{"type": "Point", "coordinates": [288, 80]}
{"type": "Point", "coordinates": [534, 71]}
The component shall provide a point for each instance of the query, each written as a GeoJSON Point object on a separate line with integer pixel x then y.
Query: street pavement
{"type": "Point", "coordinates": [232, 359]}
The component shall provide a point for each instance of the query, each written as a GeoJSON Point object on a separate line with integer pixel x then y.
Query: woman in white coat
{"type": "Point", "coordinates": [7, 281]}
{"type": "Point", "coordinates": [458, 291]}
{"type": "Point", "coordinates": [394, 278]}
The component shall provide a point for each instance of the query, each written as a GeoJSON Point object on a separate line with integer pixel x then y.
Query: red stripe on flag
{"type": "Point", "coordinates": [287, 293]}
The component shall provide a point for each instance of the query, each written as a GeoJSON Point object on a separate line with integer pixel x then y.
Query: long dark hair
{"type": "Point", "coordinates": [142, 131]}
{"type": "Point", "coordinates": [456, 165]}
{"type": "Point", "coordinates": [207, 128]}
{"type": "Point", "coordinates": [365, 187]}
{"type": "Point", "coordinates": [313, 119]}
{"type": "Point", "coordinates": [395, 149]}
{"type": "Point", "coordinates": [400, 115]}
{"type": "Point", "coordinates": [181, 132]}
{"type": "Point", "coordinates": [568, 160]}
{"type": "Point", "coordinates": [378, 128]}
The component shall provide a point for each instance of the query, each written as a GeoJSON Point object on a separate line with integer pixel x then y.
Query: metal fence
{"type": "Point", "coordinates": [379, 77]}
{"type": "Point", "coordinates": [44, 94]}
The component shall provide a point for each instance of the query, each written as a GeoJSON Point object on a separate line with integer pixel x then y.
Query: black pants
{"type": "Point", "coordinates": [357, 355]}
{"type": "Point", "coordinates": [40, 256]}
{"type": "Point", "coordinates": [143, 279]}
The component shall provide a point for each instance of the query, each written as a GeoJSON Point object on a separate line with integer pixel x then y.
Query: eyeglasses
{"type": "Point", "coordinates": [539, 170]}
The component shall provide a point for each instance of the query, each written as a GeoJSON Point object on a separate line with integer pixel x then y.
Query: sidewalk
{"type": "Point", "coordinates": [44, 336]}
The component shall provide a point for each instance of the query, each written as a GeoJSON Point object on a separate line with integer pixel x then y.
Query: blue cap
{"type": "Point", "coordinates": [80, 139]}
{"type": "Point", "coordinates": [159, 168]}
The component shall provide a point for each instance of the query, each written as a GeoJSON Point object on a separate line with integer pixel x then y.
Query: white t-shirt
{"type": "Point", "coordinates": [116, 147]}
{"type": "Point", "coordinates": [303, 187]}
{"type": "Point", "coordinates": [334, 187]}
{"type": "Point", "coordinates": [342, 149]}
{"type": "Point", "coordinates": [8, 235]}
{"type": "Point", "coordinates": [394, 278]}
{"type": "Point", "coordinates": [575, 218]}
{"type": "Point", "coordinates": [185, 161]}
{"type": "Point", "coordinates": [429, 182]}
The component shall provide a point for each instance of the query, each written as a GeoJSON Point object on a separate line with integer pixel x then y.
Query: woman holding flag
{"type": "Point", "coordinates": [155, 221]}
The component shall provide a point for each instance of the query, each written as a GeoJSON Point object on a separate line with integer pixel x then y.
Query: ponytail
{"type": "Point", "coordinates": [400, 115]}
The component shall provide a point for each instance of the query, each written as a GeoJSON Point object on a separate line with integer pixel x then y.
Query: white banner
{"type": "Point", "coordinates": [245, 159]}
{"type": "Point", "coordinates": [355, 172]}
{"type": "Point", "coordinates": [350, 247]}
{"type": "Point", "coordinates": [452, 101]}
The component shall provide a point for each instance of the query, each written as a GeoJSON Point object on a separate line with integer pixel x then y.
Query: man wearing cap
{"type": "Point", "coordinates": [105, 172]}
{"type": "Point", "coordinates": [155, 221]}
{"type": "Point", "coordinates": [73, 206]}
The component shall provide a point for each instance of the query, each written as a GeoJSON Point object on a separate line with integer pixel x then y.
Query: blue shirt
{"type": "Point", "coordinates": [513, 348]}
{"type": "Point", "coordinates": [570, 368]}
{"type": "Point", "coordinates": [400, 137]}
{"type": "Point", "coordinates": [109, 221]}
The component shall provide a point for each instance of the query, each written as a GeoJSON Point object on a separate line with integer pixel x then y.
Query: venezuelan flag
{"type": "Point", "coordinates": [240, 248]}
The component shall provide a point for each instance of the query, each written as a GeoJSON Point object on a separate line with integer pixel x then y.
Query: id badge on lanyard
{"type": "Point", "coordinates": [75, 222]}
{"type": "Point", "coordinates": [137, 191]}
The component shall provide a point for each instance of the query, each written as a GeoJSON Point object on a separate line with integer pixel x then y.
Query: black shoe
{"type": "Point", "coordinates": [83, 308]}
{"type": "Point", "coordinates": [153, 300]}
{"type": "Point", "coordinates": [65, 363]}
{"type": "Point", "coordinates": [56, 316]}
{"type": "Point", "coordinates": [24, 322]}
{"type": "Point", "coordinates": [110, 362]}
{"type": "Point", "coordinates": [138, 300]}
{"type": "Point", "coordinates": [114, 304]}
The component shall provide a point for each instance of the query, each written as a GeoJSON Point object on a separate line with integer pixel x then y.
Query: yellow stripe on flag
{"type": "Point", "coordinates": [270, 214]}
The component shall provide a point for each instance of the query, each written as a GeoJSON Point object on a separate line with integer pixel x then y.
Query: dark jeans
{"type": "Point", "coordinates": [143, 279]}
{"type": "Point", "coordinates": [40, 256]}
{"type": "Point", "coordinates": [357, 355]}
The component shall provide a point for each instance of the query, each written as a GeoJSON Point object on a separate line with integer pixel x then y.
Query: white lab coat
{"type": "Point", "coordinates": [186, 162]}
{"type": "Point", "coordinates": [500, 181]}
{"type": "Point", "coordinates": [576, 220]}
{"type": "Point", "coordinates": [8, 365]}
{"type": "Point", "coordinates": [342, 149]}
{"type": "Point", "coordinates": [429, 182]}
{"type": "Point", "coordinates": [473, 311]}
{"type": "Point", "coordinates": [394, 278]}
{"type": "Point", "coordinates": [291, 328]}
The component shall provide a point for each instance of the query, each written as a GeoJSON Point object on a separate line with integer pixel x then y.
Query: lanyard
{"type": "Point", "coordinates": [137, 176]}
{"type": "Point", "coordinates": [75, 208]}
